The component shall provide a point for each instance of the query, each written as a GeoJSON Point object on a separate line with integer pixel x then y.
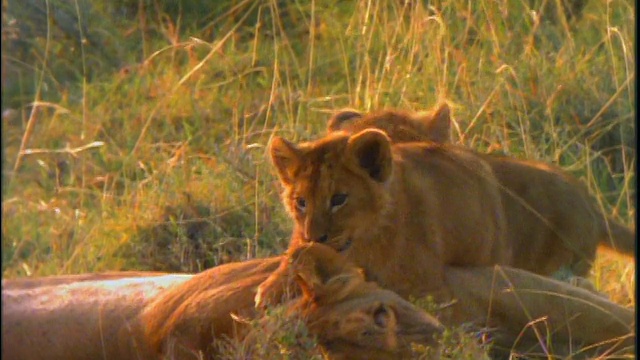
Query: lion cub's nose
{"type": "Point", "coordinates": [322, 239]}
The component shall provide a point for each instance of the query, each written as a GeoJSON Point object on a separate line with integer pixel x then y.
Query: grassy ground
{"type": "Point", "coordinates": [143, 146]}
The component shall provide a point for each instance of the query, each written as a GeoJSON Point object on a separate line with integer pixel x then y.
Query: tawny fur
{"type": "Point", "coordinates": [552, 222]}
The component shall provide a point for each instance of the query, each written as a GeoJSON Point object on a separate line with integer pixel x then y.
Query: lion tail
{"type": "Point", "coordinates": [618, 237]}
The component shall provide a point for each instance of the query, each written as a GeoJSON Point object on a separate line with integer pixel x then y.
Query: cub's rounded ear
{"type": "Point", "coordinates": [341, 118]}
{"type": "Point", "coordinates": [438, 123]}
{"type": "Point", "coordinates": [286, 157]}
{"type": "Point", "coordinates": [371, 149]}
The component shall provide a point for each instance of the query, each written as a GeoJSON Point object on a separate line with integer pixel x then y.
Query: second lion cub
{"type": "Point", "coordinates": [553, 225]}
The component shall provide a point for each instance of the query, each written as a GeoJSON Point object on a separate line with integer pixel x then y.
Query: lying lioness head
{"type": "Point", "coordinates": [350, 317]}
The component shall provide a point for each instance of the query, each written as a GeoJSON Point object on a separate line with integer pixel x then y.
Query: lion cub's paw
{"type": "Point", "coordinates": [260, 298]}
{"type": "Point", "coordinates": [270, 290]}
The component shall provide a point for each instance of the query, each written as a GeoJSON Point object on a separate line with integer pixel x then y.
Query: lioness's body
{"type": "Point", "coordinates": [73, 320]}
{"type": "Point", "coordinates": [180, 316]}
{"type": "Point", "coordinates": [552, 223]}
{"type": "Point", "coordinates": [351, 317]}
{"type": "Point", "coordinates": [531, 313]}
{"type": "Point", "coordinates": [408, 209]}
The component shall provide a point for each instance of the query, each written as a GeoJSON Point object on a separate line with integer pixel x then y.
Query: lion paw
{"type": "Point", "coordinates": [264, 293]}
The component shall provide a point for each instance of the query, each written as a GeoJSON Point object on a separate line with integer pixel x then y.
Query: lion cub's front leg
{"type": "Point", "coordinates": [277, 286]}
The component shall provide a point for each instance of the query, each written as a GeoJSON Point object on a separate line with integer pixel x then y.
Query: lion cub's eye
{"type": "Point", "coordinates": [337, 200]}
{"type": "Point", "coordinates": [301, 204]}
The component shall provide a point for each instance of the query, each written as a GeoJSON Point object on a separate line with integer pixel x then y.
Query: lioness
{"type": "Point", "coordinates": [552, 224]}
{"type": "Point", "coordinates": [400, 211]}
{"type": "Point", "coordinates": [176, 316]}
{"type": "Point", "coordinates": [180, 316]}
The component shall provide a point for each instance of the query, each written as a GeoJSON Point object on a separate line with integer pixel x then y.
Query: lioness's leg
{"type": "Point", "coordinates": [528, 308]}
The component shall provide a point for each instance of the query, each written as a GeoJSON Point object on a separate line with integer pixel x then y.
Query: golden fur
{"type": "Point", "coordinates": [552, 224]}
{"type": "Point", "coordinates": [400, 211]}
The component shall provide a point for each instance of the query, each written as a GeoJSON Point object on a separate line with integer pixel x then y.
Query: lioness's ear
{"type": "Point", "coordinates": [286, 157]}
{"type": "Point", "coordinates": [320, 271]}
{"type": "Point", "coordinates": [438, 124]}
{"type": "Point", "coordinates": [318, 263]}
{"type": "Point", "coordinates": [339, 119]}
{"type": "Point", "coordinates": [371, 148]}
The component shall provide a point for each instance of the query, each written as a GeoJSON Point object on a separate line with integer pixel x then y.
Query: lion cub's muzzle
{"type": "Point", "coordinates": [339, 244]}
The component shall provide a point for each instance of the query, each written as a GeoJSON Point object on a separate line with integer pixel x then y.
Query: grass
{"type": "Point", "coordinates": [144, 146]}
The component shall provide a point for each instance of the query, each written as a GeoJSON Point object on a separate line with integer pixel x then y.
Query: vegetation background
{"type": "Point", "coordinates": [135, 131]}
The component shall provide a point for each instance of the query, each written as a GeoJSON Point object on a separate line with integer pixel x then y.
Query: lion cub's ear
{"type": "Point", "coordinates": [438, 123]}
{"type": "Point", "coordinates": [371, 149]}
{"type": "Point", "coordinates": [339, 119]}
{"type": "Point", "coordinates": [286, 157]}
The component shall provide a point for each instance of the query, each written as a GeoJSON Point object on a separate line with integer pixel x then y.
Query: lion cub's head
{"type": "Point", "coordinates": [334, 187]}
{"type": "Point", "coordinates": [401, 126]}
{"type": "Point", "coordinates": [352, 317]}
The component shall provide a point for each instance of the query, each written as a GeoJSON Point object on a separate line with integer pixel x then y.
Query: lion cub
{"type": "Point", "coordinates": [552, 224]}
{"type": "Point", "coordinates": [400, 211]}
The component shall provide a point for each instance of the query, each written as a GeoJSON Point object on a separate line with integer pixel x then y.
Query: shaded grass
{"type": "Point", "coordinates": [185, 101]}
